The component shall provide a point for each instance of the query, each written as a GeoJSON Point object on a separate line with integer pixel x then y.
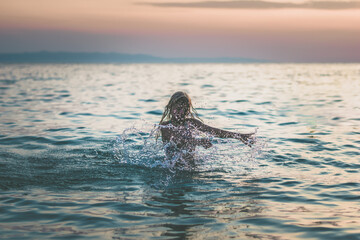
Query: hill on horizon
{"type": "Point", "coordinates": [111, 57]}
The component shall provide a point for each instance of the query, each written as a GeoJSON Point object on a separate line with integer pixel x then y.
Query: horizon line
{"type": "Point", "coordinates": [46, 56]}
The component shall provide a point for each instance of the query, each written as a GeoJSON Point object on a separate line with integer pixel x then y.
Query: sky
{"type": "Point", "coordinates": [275, 30]}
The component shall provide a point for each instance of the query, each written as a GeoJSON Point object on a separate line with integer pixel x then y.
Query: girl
{"type": "Point", "coordinates": [180, 124]}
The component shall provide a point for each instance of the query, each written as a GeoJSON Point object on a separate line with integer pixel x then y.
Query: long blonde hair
{"type": "Point", "coordinates": [167, 116]}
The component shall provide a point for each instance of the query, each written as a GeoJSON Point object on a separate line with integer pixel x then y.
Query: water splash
{"type": "Point", "coordinates": [137, 147]}
{"type": "Point", "coordinates": [141, 147]}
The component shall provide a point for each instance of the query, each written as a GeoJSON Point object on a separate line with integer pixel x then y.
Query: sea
{"type": "Point", "coordinates": [81, 156]}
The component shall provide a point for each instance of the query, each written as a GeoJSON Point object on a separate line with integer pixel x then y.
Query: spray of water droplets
{"type": "Point", "coordinates": [141, 147]}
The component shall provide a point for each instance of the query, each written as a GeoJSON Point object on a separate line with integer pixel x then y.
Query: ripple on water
{"type": "Point", "coordinates": [64, 174]}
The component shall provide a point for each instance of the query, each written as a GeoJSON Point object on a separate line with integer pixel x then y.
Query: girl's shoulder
{"type": "Point", "coordinates": [193, 121]}
{"type": "Point", "coordinates": [165, 123]}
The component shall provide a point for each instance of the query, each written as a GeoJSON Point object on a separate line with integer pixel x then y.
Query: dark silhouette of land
{"type": "Point", "coordinates": [97, 57]}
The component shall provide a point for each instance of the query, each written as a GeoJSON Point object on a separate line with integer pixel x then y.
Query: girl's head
{"type": "Point", "coordinates": [179, 108]}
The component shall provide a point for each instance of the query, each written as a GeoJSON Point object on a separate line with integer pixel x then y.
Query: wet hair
{"type": "Point", "coordinates": [175, 98]}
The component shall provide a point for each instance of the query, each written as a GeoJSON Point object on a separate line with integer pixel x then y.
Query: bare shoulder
{"type": "Point", "coordinates": [194, 122]}
{"type": "Point", "coordinates": [165, 123]}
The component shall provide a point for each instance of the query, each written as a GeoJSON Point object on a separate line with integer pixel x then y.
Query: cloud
{"type": "Point", "coordinates": [256, 4]}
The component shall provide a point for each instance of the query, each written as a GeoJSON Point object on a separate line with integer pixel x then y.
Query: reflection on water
{"type": "Point", "coordinates": [79, 157]}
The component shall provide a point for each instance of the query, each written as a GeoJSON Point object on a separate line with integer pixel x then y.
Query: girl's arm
{"type": "Point", "coordinates": [204, 142]}
{"type": "Point", "coordinates": [216, 132]}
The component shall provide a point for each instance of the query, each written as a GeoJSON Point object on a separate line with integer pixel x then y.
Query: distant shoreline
{"type": "Point", "coordinates": [47, 57]}
{"type": "Point", "coordinates": [96, 57]}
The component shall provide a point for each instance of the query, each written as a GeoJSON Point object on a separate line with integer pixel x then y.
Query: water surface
{"type": "Point", "coordinates": [78, 158]}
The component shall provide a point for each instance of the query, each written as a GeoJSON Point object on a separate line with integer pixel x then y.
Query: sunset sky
{"type": "Point", "coordinates": [279, 30]}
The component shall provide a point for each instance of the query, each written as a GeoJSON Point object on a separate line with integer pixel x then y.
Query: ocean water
{"type": "Point", "coordinates": [79, 157]}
